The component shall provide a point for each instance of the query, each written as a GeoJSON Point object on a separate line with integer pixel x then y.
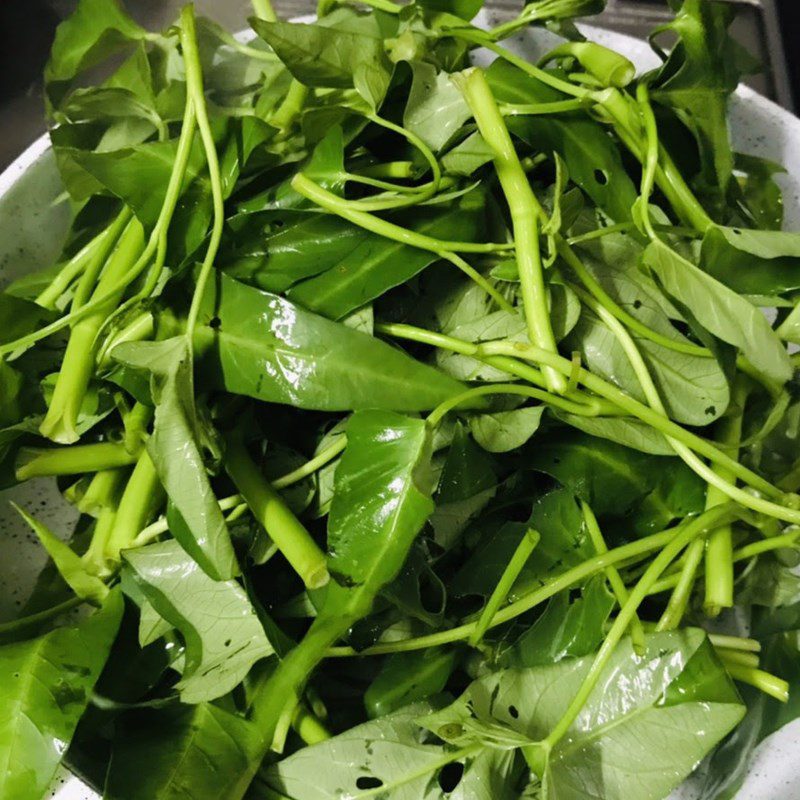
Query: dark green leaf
{"type": "Point", "coordinates": [406, 678]}
{"type": "Point", "coordinates": [721, 311]}
{"type": "Point", "coordinates": [46, 683]}
{"type": "Point", "coordinates": [506, 430]}
{"type": "Point", "coordinates": [753, 262]}
{"type": "Point", "coordinates": [175, 449]}
{"type": "Point", "coordinates": [196, 751]}
{"type": "Point", "coordinates": [265, 347]}
{"type": "Point", "coordinates": [565, 629]}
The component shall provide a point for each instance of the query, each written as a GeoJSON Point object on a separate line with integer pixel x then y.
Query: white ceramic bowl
{"type": "Point", "coordinates": [34, 217]}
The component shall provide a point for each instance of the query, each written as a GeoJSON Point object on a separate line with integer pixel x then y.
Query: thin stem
{"type": "Point", "coordinates": [312, 465]}
{"type": "Point", "coordinates": [525, 214]}
{"type": "Point", "coordinates": [308, 727]}
{"type": "Point", "coordinates": [735, 642]}
{"type": "Point", "coordinates": [612, 575]}
{"type": "Point", "coordinates": [742, 657]}
{"type": "Point", "coordinates": [389, 169]}
{"type": "Point", "coordinates": [537, 109]}
{"type": "Point", "coordinates": [510, 574]}
{"type": "Point", "coordinates": [263, 9]}
{"type": "Point", "coordinates": [32, 620]}
{"type": "Point", "coordinates": [444, 249]}
{"type": "Point", "coordinates": [277, 519]}
{"type": "Point", "coordinates": [679, 600]}
{"type": "Point", "coordinates": [194, 88]}
{"type": "Point", "coordinates": [33, 462]}
{"type": "Point", "coordinates": [683, 538]}
{"type": "Point", "coordinates": [632, 551]}
{"type": "Point", "coordinates": [291, 106]}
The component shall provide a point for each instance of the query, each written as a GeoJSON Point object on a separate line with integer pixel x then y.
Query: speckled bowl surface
{"type": "Point", "coordinates": [34, 216]}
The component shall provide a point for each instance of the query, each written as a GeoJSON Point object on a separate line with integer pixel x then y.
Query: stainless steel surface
{"type": "Point", "coordinates": [21, 115]}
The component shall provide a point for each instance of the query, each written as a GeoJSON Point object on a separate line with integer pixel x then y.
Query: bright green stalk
{"type": "Point", "coordinates": [95, 556]}
{"type": "Point", "coordinates": [444, 249]}
{"type": "Point", "coordinates": [138, 329]}
{"type": "Point", "coordinates": [624, 403]}
{"type": "Point", "coordinates": [764, 681]}
{"type": "Point", "coordinates": [679, 599]}
{"type": "Point", "coordinates": [735, 642]}
{"type": "Point", "coordinates": [288, 111]}
{"type": "Point", "coordinates": [538, 109]}
{"type": "Point", "coordinates": [140, 501]}
{"type": "Point", "coordinates": [524, 214]}
{"type": "Point", "coordinates": [719, 550]}
{"type": "Point", "coordinates": [510, 574]}
{"type": "Point", "coordinates": [277, 519]}
{"type": "Point", "coordinates": [308, 727]}
{"type": "Point", "coordinates": [612, 575]}
{"type": "Point", "coordinates": [263, 9]}
{"type": "Point", "coordinates": [632, 551]}
{"type": "Point", "coordinates": [95, 251]}
{"type": "Point", "coordinates": [101, 492]}
{"type": "Point", "coordinates": [136, 422]}
{"type": "Point", "coordinates": [389, 169]}
{"type": "Point", "coordinates": [742, 657]}
{"type": "Point", "coordinates": [745, 553]}
{"type": "Point", "coordinates": [35, 462]}
{"type": "Point", "coordinates": [683, 538]}
{"type": "Point", "coordinates": [436, 416]}
{"type": "Point", "coordinates": [194, 88]}
{"type": "Point", "coordinates": [77, 367]}
{"type": "Point", "coordinates": [16, 626]}
{"type": "Point", "coordinates": [608, 67]}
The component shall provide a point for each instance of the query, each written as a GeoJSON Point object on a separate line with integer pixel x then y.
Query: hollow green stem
{"type": "Point", "coordinates": [389, 169]}
{"type": "Point", "coordinates": [761, 680]}
{"type": "Point", "coordinates": [277, 519]}
{"type": "Point", "coordinates": [142, 498]}
{"type": "Point", "coordinates": [719, 550]}
{"type": "Point", "coordinates": [102, 491]}
{"type": "Point", "coordinates": [308, 727]}
{"type": "Point", "coordinates": [686, 534]}
{"type": "Point", "coordinates": [136, 422]}
{"type": "Point", "coordinates": [735, 642]}
{"type": "Point", "coordinates": [679, 599]}
{"type": "Point", "coordinates": [525, 214]}
{"type": "Point", "coordinates": [34, 462]}
{"type": "Point", "coordinates": [510, 574]}
{"type": "Point", "coordinates": [312, 465]}
{"type": "Point", "coordinates": [538, 109]}
{"type": "Point", "coordinates": [291, 106]}
{"type": "Point", "coordinates": [743, 658]}
{"type": "Point", "coordinates": [95, 251]}
{"type": "Point", "coordinates": [263, 10]}
{"type": "Point", "coordinates": [78, 364]}
{"type": "Point", "coordinates": [612, 574]}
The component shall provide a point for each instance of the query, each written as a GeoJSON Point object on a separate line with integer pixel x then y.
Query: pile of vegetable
{"type": "Point", "coordinates": [427, 432]}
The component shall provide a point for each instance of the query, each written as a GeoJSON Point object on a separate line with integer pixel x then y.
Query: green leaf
{"type": "Point", "coordinates": [467, 156]}
{"type": "Point", "coordinates": [265, 347]}
{"type": "Point", "coordinates": [563, 544]}
{"type": "Point", "coordinates": [388, 754]}
{"type": "Point", "coordinates": [591, 156]}
{"type": "Point", "coordinates": [752, 262]}
{"type": "Point", "coordinates": [565, 629]}
{"type": "Point", "coordinates": [96, 30]}
{"type": "Point", "coordinates": [465, 9]}
{"type": "Point", "coordinates": [639, 713]}
{"type": "Point", "coordinates": [406, 678]}
{"type": "Point", "coordinates": [323, 56]}
{"type": "Point", "coordinates": [198, 751]}
{"type": "Point", "coordinates": [506, 430]}
{"type": "Point", "coordinates": [622, 430]}
{"type": "Point", "coordinates": [19, 317]}
{"type": "Point", "coordinates": [175, 449]}
{"type": "Point", "coordinates": [759, 191]}
{"type": "Point", "coordinates": [70, 565]}
{"type": "Point", "coordinates": [701, 72]}
{"type": "Point", "coordinates": [436, 108]}
{"type": "Point", "coordinates": [694, 389]}
{"type": "Point", "coordinates": [45, 685]}
{"type": "Point", "coordinates": [383, 483]}
{"type": "Point", "coordinates": [721, 311]}
{"type": "Point", "coordinates": [219, 626]}
{"type": "Point", "coordinates": [375, 264]}
{"type": "Point", "coordinates": [609, 477]}
{"type": "Point", "coordinates": [467, 484]}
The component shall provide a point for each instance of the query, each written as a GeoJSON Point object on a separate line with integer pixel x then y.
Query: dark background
{"type": "Point", "coordinates": [770, 28]}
